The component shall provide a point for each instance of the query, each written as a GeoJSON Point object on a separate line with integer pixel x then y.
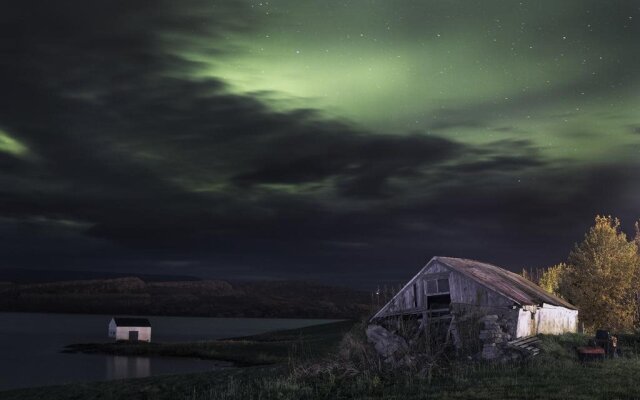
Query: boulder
{"type": "Point", "coordinates": [387, 344]}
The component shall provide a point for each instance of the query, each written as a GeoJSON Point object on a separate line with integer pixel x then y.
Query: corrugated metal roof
{"type": "Point", "coordinates": [131, 322]}
{"type": "Point", "coordinates": [507, 283]}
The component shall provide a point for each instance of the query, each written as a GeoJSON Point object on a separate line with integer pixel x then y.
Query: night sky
{"type": "Point", "coordinates": [341, 141]}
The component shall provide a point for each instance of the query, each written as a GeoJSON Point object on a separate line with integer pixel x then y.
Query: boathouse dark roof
{"type": "Point", "coordinates": [132, 322]}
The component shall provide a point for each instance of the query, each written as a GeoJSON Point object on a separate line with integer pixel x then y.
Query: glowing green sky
{"type": "Point", "coordinates": [11, 146]}
{"type": "Point", "coordinates": [345, 140]}
{"type": "Point", "coordinates": [475, 71]}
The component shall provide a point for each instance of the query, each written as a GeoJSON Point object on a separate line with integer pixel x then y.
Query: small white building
{"type": "Point", "coordinates": [134, 329]}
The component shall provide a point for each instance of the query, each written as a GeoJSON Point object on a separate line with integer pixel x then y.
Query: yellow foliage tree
{"type": "Point", "coordinates": [552, 277]}
{"type": "Point", "coordinates": [600, 275]}
{"type": "Point", "coordinates": [637, 238]}
{"type": "Point", "coordinates": [636, 284]}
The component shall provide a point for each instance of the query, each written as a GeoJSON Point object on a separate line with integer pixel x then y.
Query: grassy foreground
{"type": "Point", "coordinates": [324, 367]}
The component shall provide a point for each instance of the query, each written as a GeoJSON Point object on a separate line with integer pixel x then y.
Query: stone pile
{"type": "Point", "coordinates": [494, 340]}
{"type": "Point", "coordinates": [493, 335]}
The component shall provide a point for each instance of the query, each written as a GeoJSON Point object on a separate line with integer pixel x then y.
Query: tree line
{"type": "Point", "coordinates": [601, 277]}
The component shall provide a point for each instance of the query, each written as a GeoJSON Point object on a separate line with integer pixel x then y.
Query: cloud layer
{"type": "Point", "coordinates": [115, 152]}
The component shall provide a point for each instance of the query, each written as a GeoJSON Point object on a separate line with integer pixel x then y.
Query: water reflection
{"type": "Point", "coordinates": [31, 356]}
{"type": "Point", "coordinates": [121, 367]}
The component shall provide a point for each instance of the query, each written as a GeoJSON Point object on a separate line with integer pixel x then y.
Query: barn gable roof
{"type": "Point", "coordinates": [132, 322]}
{"type": "Point", "coordinates": [509, 284]}
{"type": "Point", "coordinates": [506, 283]}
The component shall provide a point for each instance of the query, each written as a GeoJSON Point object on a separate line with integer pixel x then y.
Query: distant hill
{"type": "Point", "coordinates": [215, 298]}
{"type": "Point", "coordinates": [18, 275]}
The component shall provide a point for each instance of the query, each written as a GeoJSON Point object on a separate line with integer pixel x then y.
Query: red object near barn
{"type": "Point", "coordinates": [589, 353]}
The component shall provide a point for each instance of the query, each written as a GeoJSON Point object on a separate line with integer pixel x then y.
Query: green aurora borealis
{"type": "Point", "coordinates": [347, 141]}
{"type": "Point", "coordinates": [460, 69]}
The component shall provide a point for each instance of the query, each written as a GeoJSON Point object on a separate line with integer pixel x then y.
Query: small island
{"type": "Point", "coordinates": [263, 349]}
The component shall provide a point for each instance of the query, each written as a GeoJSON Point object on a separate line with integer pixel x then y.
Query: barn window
{"type": "Point", "coordinates": [438, 299]}
{"type": "Point", "coordinates": [434, 286]}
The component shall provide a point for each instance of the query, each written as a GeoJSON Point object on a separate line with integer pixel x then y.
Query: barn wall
{"type": "Point", "coordinates": [411, 297]}
{"type": "Point", "coordinates": [547, 319]}
{"type": "Point", "coordinates": [469, 299]}
{"type": "Point", "coordinates": [436, 268]}
{"type": "Point", "coordinates": [463, 291]}
{"type": "Point", "coordinates": [507, 316]}
{"type": "Point", "coordinates": [556, 320]}
{"type": "Point", "coordinates": [144, 333]}
{"type": "Point", "coordinates": [403, 301]}
{"type": "Point", "coordinates": [468, 291]}
{"type": "Point", "coordinates": [526, 325]}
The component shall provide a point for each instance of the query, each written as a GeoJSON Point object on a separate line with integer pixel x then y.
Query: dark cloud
{"type": "Point", "coordinates": [136, 161]}
{"type": "Point", "coordinates": [497, 163]}
{"type": "Point", "coordinates": [361, 164]}
{"type": "Point", "coordinates": [510, 129]}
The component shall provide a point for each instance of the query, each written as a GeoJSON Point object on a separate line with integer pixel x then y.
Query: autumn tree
{"type": "Point", "coordinates": [551, 278]}
{"type": "Point", "coordinates": [600, 275]}
{"type": "Point", "coordinates": [636, 284]}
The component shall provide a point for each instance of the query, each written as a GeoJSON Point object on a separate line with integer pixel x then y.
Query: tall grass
{"type": "Point", "coordinates": [356, 371]}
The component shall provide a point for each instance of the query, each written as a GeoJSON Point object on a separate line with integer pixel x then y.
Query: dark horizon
{"type": "Point", "coordinates": [340, 142]}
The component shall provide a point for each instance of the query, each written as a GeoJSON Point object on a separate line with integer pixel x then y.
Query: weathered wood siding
{"type": "Point", "coordinates": [463, 291]}
{"type": "Point", "coordinates": [526, 324]}
{"type": "Point", "coordinates": [547, 319]}
{"type": "Point", "coordinates": [436, 268]}
{"type": "Point", "coordinates": [556, 320]}
{"type": "Point", "coordinates": [469, 297]}
{"type": "Point", "coordinates": [467, 291]}
{"type": "Point", "coordinates": [412, 297]}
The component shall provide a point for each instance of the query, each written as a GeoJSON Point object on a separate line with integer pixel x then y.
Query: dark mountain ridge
{"type": "Point", "coordinates": [20, 275]}
{"type": "Point", "coordinates": [214, 298]}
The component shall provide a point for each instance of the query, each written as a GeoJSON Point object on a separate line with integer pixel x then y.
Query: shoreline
{"type": "Point", "coordinates": [256, 350]}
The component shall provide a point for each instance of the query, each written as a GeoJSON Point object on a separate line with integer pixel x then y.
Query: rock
{"type": "Point", "coordinates": [494, 337]}
{"type": "Point", "coordinates": [387, 344]}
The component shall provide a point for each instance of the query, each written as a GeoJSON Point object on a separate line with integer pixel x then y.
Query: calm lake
{"type": "Point", "coordinates": [30, 346]}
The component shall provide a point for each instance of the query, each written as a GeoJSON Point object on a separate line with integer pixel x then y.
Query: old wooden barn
{"type": "Point", "coordinates": [134, 329]}
{"type": "Point", "coordinates": [453, 289]}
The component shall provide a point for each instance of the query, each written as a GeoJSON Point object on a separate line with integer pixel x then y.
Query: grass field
{"type": "Point", "coordinates": [313, 363]}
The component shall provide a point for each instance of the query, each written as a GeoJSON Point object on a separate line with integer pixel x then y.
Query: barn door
{"type": "Point", "coordinates": [133, 335]}
{"type": "Point", "coordinates": [437, 294]}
